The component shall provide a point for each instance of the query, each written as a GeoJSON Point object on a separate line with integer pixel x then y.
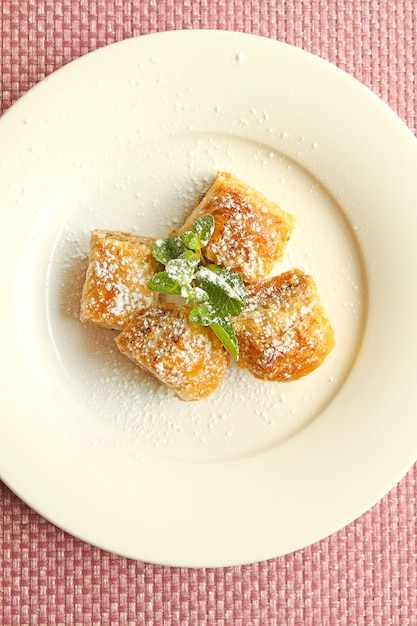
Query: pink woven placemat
{"type": "Point", "coordinates": [366, 574]}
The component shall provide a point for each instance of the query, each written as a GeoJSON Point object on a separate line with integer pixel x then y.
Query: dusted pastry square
{"type": "Point", "coordinates": [120, 266]}
{"type": "Point", "coordinates": [250, 231]}
{"type": "Point", "coordinates": [283, 331]}
{"type": "Point", "coordinates": [184, 356]}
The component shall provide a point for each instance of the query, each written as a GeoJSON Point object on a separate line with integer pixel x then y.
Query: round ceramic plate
{"type": "Point", "coordinates": [128, 138]}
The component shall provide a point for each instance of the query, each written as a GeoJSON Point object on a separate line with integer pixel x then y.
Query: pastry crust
{"type": "Point", "coordinates": [187, 358]}
{"type": "Point", "coordinates": [250, 232]}
{"type": "Point", "coordinates": [120, 266]}
{"type": "Point", "coordinates": [283, 332]}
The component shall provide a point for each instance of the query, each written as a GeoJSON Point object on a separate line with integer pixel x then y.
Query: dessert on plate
{"type": "Point", "coordinates": [222, 263]}
{"type": "Point", "coordinates": [283, 332]}
{"type": "Point", "coordinates": [187, 358]}
{"type": "Point", "coordinates": [119, 268]}
{"type": "Point", "coordinates": [250, 232]}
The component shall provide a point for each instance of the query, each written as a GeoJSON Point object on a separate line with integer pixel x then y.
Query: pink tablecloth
{"type": "Point", "coordinates": [364, 574]}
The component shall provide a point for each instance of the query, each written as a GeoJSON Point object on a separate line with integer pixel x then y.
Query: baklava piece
{"type": "Point", "coordinates": [120, 266]}
{"type": "Point", "coordinates": [187, 358]}
{"type": "Point", "coordinates": [250, 232]}
{"type": "Point", "coordinates": [283, 332]}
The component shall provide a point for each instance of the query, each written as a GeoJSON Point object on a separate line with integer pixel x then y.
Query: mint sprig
{"type": "Point", "coordinates": [163, 250]}
{"type": "Point", "coordinates": [199, 234]}
{"type": "Point", "coordinates": [206, 314]}
{"type": "Point", "coordinates": [225, 289]}
{"type": "Point", "coordinates": [216, 293]}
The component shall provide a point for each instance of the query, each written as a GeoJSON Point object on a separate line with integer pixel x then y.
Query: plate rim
{"type": "Point", "coordinates": [315, 430]}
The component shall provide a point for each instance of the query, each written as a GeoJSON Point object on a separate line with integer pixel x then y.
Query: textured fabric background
{"type": "Point", "coordinates": [366, 574]}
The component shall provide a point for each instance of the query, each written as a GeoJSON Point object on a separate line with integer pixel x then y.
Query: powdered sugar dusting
{"type": "Point", "coordinates": [130, 409]}
{"type": "Point", "coordinates": [116, 280]}
{"type": "Point", "coordinates": [232, 243]}
{"type": "Point", "coordinates": [251, 231]}
{"type": "Point", "coordinates": [284, 332]}
{"type": "Point", "coordinates": [184, 356]}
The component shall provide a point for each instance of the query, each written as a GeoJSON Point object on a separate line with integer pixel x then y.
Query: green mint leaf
{"type": "Point", "coordinates": [225, 288]}
{"type": "Point", "coordinates": [163, 283]}
{"type": "Point", "coordinates": [191, 257]}
{"type": "Point", "coordinates": [163, 250]}
{"type": "Point", "coordinates": [187, 292]}
{"type": "Point", "coordinates": [199, 234]}
{"type": "Point", "coordinates": [182, 269]}
{"type": "Point", "coordinates": [205, 314]}
{"type": "Point", "coordinates": [191, 240]}
{"type": "Point", "coordinates": [223, 330]}
{"type": "Point", "coordinates": [216, 293]}
{"type": "Point", "coordinates": [200, 295]}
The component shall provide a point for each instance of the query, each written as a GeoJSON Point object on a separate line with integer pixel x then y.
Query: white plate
{"type": "Point", "coordinates": [126, 138]}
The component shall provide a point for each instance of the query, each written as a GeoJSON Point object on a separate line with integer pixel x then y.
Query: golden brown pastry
{"type": "Point", "coordinates": [120, 266]}
{"type": "Point", "coordinates": [250, 233]}
{"type": "Point", "coordinates": [187, 358]}
{"type": "Point", "coordinates": [283, 332]}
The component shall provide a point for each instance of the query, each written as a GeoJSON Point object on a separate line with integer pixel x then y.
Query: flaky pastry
{"type": "Point", "coordinates": [283, 331]}
{"type": "Point", "coordinates": [250, 232]}
{"type": "Point", "coordinates": [187, 358]}
{"type": "Point", "coordinates": [120, 266]}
